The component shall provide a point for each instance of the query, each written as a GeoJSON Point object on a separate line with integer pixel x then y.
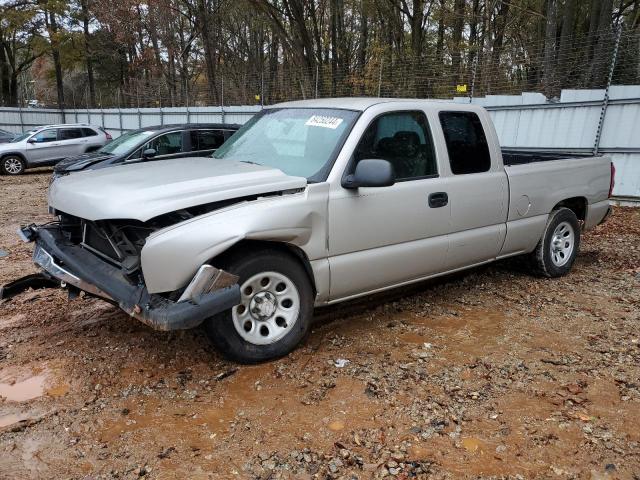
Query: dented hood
{"type": "Point", "coordinates": [142, 191]}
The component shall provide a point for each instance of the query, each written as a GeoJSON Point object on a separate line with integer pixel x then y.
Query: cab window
{"type": "Point", "coordinates": [403, 139]}
{"type": "Point", "coordinates": [466, 142]}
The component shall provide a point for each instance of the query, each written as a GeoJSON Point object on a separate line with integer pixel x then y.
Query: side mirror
{"type": "Point", "coordinates": [371, 173]}
{"type": "Point", "coordinates": [32, 140]}
{"type": "Point", "coordinates": [149, 153]}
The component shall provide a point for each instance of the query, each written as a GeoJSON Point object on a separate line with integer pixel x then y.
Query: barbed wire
{"type": "Point", "coordinates": [579, 62]}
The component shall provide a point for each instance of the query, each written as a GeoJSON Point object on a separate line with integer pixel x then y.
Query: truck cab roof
{"type": "Point", "coordinates": [363, 103]}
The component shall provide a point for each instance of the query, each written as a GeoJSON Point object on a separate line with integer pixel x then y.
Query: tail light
{"type": "Point", "coordinates": [108, 135]}
{"type": "Point", "coordinates": [612, 182]}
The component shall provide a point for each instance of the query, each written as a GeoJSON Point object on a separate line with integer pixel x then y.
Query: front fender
{"type": "Point", "coordinates": [171, 256]}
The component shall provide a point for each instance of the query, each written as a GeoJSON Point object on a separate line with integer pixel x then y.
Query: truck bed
{"type": "Point", "coordinates": [520, 157]}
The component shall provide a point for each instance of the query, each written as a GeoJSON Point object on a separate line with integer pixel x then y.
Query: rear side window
{"type": "Point", "coordinates": [87, 132]}
{"type": "Point", "coordinates": [70, 133]}
{"type": "Point", "coordinates": [403, 139]}
{"type": "Point", "coordinates": [206, 139]}
{"type": "Point", "coordinates": [466, 142]}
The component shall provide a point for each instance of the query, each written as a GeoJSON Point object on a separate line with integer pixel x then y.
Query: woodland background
{"type": "Point", "coordinates": [90, 53]}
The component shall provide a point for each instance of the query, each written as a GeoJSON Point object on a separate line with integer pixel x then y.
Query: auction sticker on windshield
{"type": "Point", "coordinates": [324, 121]}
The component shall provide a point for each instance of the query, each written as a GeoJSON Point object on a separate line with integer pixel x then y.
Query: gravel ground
{"type": "Point", "coordinates": [488, 374]}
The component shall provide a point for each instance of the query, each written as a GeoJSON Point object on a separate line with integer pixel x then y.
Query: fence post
{"type": "Point", "coordinates": [138, 100]}
{"type": "Point", "coordinates": [188, 111]}
{"type": "Point", "coordinates": [380, 79]}
{"type": "Point", "coordinates": [86, 91]}
{"type": "Point", "coordinates": [21, 119]}
{"type": "Point", "coordinates": [222, 97]}
{"type": "Point", "coordinates": [75, 109]}
{"type": "Point", "coordinates": [473, 78]}
{"type": "Point", "coordinates": [605, 100]}
{"type": "Point", "coordinates": [101, 111]}
{"type": "Point", "coordinates": [120, 110]}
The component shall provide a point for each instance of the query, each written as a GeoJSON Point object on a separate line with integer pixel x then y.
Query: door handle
{"type": "Point", "coordinates": [438, 199]}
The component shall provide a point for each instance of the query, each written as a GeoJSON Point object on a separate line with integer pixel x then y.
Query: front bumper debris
{"type": "Point", "coordinates": [35, 281]}
{"type": "Point", "coordinates": [72, 265]}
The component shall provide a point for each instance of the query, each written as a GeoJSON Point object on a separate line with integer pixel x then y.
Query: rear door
{"type": "Point", "coordinates": [477, 189]}
{"type": "Point", "coordinates": [72, 140]}
{"type": "Point", "coordinates": [385, 236]}
{"type": "Point", "coordinates": [205, 142]}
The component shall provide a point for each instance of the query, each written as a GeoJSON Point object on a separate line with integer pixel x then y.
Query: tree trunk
{"type": "Point", "coordinates": [5, 76]}
{"type": "Point", "coordinates": [87, 51]}
{"type": "Point", "coordinates": [55, 53]}
{"type": "Point", "coordinates": [602, 56]}
{"type": "Point", "coordinates": [473, 36]}
{"type": "Point", "coordinates": [548, 79]}
{"type": "Point", "coordinates": [334, 46]}
{"type": "Point", "coordinates": [498, 41]}
{"type": "Point", "coordinates": [440, 40]}
{"type": "Point", "coordinates": [565, 62]}
{"type": "Point", "coordinates": [210, 59]}
{"type": "Point", "coordinates": [458, 25]}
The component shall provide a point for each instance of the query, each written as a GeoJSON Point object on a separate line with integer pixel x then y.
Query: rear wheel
{"type": "Point", "coordinates": [275, 310]}
{"type": "Point", "coordinates": [12, 165]}
{"type": "Point", "coordinates": [558, 247]}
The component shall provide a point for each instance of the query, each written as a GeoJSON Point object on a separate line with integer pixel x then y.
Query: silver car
{"type": "Point", "coordinates": [48, 145]}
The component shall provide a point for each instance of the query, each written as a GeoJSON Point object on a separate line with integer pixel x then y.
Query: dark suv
{"type": "Point", "coordinates": [152, 143]}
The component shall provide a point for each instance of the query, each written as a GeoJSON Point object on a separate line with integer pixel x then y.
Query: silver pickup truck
{"type": "Point", "coordinates": [309, 204]}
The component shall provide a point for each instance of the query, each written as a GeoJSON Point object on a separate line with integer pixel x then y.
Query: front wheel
{"type": "Point", "coordinates": [558, 247]}
{"type": "Point", "coordinates": [12, 165]}
{"type": "Point", "coordinates": [275, 311]}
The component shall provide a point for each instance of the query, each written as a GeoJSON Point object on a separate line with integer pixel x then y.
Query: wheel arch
{"type": "Point", "coordinates": [577, 205]}
{"type": "Point", "coordinates": [14, 154]}
{"type": "Point", "coordinates": [250, 245]}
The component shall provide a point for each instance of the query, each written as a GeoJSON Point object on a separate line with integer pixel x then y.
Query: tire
{"type": "Point", "coordinates": [557, 249]}
{"type": "Point", "coordinates": [12, 165]}
{"type": "Point", "coordinates": [276, 309]}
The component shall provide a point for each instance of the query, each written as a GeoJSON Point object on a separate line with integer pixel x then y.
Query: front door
{"type": "Point", "coordinates": [44, 147]}
{"type": "Point", "coordinates": [386, 236]}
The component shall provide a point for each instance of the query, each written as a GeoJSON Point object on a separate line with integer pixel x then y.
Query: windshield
{"type": "Point", "coordinates": [126, 142]}
{"type": "Point", "coordinates": [22, 136]}
{"type": "Point", "coordinates": [298, 141]}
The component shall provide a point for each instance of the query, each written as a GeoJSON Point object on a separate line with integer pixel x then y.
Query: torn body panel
{"type": "Point", "coordinates": [171, 256]}
{"type": "Point", "coordinates": [76, 266]}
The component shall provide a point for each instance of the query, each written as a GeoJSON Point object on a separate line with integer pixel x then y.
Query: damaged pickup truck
{"type": "Point", "coordinates": [309, 204]}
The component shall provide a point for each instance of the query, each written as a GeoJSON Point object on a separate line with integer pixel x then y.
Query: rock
{"type": "Point", "coordinates": [399, 456]}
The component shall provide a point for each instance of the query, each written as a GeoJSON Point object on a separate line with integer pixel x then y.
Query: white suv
{"type": "Point", "coordinates": [48, 145]}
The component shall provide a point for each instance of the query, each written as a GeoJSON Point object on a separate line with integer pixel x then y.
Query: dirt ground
{"type": "Point", "coordinates": [488, 374]}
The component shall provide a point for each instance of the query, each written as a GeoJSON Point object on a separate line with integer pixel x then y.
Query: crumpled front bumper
{"type": "Point", "coordinates": [73, 265]}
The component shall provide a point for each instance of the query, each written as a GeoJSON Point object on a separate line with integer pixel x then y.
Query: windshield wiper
{"type": "Point", "coordinates": [249, 161]}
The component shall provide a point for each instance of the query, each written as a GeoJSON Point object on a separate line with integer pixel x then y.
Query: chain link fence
{"type": "Point", "coordinates": [578, 63]}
